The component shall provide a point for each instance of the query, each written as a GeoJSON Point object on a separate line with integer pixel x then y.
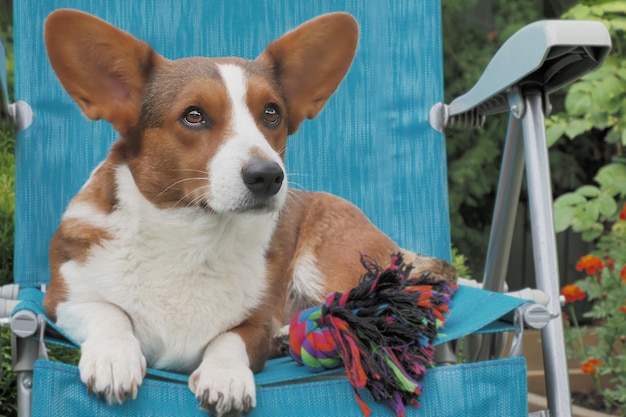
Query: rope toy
{"type": "Point", "coordinates": [382, 331]}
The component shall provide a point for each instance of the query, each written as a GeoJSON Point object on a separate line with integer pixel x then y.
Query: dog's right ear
{"type": "Point", "coordinates": [101, 67]}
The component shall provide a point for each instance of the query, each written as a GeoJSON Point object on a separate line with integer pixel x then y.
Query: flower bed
{"type": "Point", "coordinates": [605, 288]}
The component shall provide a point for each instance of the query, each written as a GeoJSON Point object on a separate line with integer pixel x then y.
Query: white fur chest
{"type": "Point", "coordinates": [182, 276]}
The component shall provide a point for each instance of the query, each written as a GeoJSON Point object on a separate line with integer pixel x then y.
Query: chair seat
{"type": "Point", "coordinates": [286, 389]}
{"type": "Point", "coordinates": [57, 387]}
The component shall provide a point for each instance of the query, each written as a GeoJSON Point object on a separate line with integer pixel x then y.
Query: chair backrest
{"type": "Point", "coordinates": [372, 144]}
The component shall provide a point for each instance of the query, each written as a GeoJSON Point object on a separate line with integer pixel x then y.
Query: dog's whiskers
{"type": "Point", "coordinates": [178, 182]}
{"type": "Point", "coordinates": [190, 170]}
{"type": "Point", "coordinates": [195, 199]}
{"type": "Point", "coordinates": [282, 150]}
{"type": "Point", "coordinates": [295, 197]}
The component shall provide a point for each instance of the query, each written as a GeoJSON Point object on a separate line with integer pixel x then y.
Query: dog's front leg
{"type": "Point", "coordinates": [224, 381]}
{"type": "Point", "coordinates": [111, 362]}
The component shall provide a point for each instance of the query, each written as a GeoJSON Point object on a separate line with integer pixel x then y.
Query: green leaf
{"type": "Point", "coordinates": [597, 10]}
{"type": "Point", "coordinates": [598, 118]}
{"type": "Point", "coordinates": [618, 24]}
{"type": "Point", "coordinates": [569, 199]}
{"type": "Point", "coordinates": [614, 7]}
{"type": "Point", "coordinates": [585, 85]}
{"type": "Point", "coordinates": [613, 135]}
{"type": "Point", "coordinates": [601, 94]}
{"type": "Point", "coordinates": [554, 133]}
{"type": "Point", "coordinates": [593, 232]}
{"type": "Point", "coordinates": [606, 205]}
{"type": "Point", "coordinates": [588, 191]}
{"type": "Point", "coordinates": [606, 94]}
{"type": "Point", "coordinates": [612, 178]}
{"type": "Point", "coordinates": [577, 103]}
{"type": "Point", "coordinates": [577, 127]}
{"type": "Point", "coordinates": [613, 84]}
{"type": "Point", "coordinates": [585, 218]}
{"type": "Point", "coordinates": [578, 12]}
{"type": "Point", "coordinates": [563, 217]}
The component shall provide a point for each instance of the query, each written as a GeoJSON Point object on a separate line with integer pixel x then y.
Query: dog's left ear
{"type": "Point", "coordinates": [101, 67]}
{"type": "Point", "coordinates": [310, 62]}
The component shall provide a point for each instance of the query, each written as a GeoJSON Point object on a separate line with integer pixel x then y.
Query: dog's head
{"type": "Point", "coordinates": [199, 131]}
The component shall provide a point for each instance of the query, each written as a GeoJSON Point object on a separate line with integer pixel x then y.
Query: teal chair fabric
{"type": "Point", "coordinates": [372, 144]}
{"type": "Point", "coordinates": [477, 389]}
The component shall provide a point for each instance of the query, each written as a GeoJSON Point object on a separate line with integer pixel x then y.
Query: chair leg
{"type": "Point", "coordinates": [505, 208]}
{"type": "Point", "coordinates": [27, 346]}
{"type": "Point", "coordinates": [544, 251]}
{"type": "Point", "coordinates": [26, 351]}
{"type": "Point", "coordinates": [485, 347]}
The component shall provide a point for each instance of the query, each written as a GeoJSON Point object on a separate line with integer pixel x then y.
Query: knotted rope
{"type": "Point", "coordinates": [382, 331]}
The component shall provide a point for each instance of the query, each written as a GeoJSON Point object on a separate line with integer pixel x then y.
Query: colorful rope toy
{"type": "Point", "coordinates": [382, 331]}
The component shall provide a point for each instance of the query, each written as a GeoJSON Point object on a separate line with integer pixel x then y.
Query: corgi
{"type": "Point", "coordinates": [185, 250]}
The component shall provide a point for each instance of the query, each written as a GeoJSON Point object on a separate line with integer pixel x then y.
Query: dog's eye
{"type": "Point", "coordinates": [271, 115]}
{"type": "Point", "coordinates": [194, 117]}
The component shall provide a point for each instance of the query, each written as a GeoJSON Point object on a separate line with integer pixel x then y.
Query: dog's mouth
{"type": "Point", "coordinates": [258, 205]}
{"type": "Point", "coordinates": [250, 205]}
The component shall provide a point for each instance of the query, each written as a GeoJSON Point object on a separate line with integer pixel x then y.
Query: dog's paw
{"type": "Point", "coordinates": [280, 342]}
{"type": "Point", "coordinates": [437, 268]}
{"type": "Point", "coordinates": [224, 389]}
{"type": "Point", "coordinates": [112, 369]}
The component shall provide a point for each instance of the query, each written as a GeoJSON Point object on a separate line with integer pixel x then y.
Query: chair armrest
{"type": "Point", "coordinates": [547, 54]}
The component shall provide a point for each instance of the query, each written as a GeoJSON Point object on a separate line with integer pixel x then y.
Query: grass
{"type": "Point", "coordinates": [8, 395]}
{"type": "Point", "coordinates": [7, 203]}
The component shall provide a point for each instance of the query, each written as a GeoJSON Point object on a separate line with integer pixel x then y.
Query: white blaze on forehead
{"type": "Point", "coordinates": [244, 141]}
{"type": "Point", "coordinates": [236, 83]}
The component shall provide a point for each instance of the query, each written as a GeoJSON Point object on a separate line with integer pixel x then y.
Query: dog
{"type": "Point", "coordinates": [185, 250]}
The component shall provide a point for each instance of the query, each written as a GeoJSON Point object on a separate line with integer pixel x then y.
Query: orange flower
{"type": "Point", "coordinates": [589, 367]}
{"type": "Point", "coordinates": [591, 264]}
{"type": "Point", "coordinates": [622, 214]}
{"type": "Point", "coordinates": [572, 293]}
{"type": "Point", "coordinates": [623, 309]}
{"type": "Point", "coordinates": [622, 275]}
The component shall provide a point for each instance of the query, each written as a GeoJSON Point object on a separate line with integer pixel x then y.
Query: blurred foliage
{"type": "Point", "coordinates": [6, 35]}
{"type": "Point", "coordinates": [473, 30]}
{"type": "Point", "coordinates": [7, 203]}
{"type": "Point", "coordinates": [459, 261]}
{"type": "Point", "coordinates": [7, 160]}
{"type": "Point", "coordinates": [8, 392]}
{"type": "Point", "coordinates": [8, 389]}
{"type": "Point", "coordinates": [594, 114]}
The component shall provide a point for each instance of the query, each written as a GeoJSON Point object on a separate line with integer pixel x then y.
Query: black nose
{"type": "Point", "coordinates": [263, 177]}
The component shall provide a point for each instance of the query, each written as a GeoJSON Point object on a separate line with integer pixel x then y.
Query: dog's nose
{"type": "Point", "coordinates": [263, 177]}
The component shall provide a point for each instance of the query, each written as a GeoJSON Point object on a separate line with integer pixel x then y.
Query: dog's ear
{"type": "Point", "coordinates": [310, 62]}
{"type": "Point", "coordinates": [101, 67]}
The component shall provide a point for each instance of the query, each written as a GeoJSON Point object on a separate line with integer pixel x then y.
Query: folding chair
{"type": "Point", "coordinates": [378, 143]}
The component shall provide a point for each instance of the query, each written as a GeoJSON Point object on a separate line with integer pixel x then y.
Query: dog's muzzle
{"type": "Point", "coordinates": [263, 177]}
